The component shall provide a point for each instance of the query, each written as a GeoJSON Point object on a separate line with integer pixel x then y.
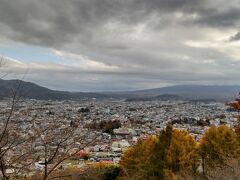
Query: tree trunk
{"type": "Point", "coordinates": [3, 169]}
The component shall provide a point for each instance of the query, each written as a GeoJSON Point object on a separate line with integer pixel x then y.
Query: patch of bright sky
{"type": "Point", "coordinates": [30, 54]}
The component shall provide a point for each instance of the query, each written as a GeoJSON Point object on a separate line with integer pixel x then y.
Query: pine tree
{"type": "Point", "coordinates": [219, 143]}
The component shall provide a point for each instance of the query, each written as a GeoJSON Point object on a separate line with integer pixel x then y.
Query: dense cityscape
{"type": "Point", "coordinates": [103, 129]}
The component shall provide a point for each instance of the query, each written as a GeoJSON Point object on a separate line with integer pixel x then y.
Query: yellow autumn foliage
{"type": "Point", "coordinates": [148, 159]}
{"type": "Point", "coordinates": [219, 143]}
{"type": "Point", "coordinates": [182, 152]}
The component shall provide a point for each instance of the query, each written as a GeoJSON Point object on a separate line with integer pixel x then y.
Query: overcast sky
{"type": "Point", "coordinates": [98, 45]}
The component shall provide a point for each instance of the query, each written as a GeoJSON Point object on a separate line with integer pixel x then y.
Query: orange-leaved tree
{"type": "Point", "coordinates": [218, 143]}
{"type": "Point", "coordinates": [157, 158]}
{"type": "Point", "coordinates": [219, 148]}
{"type": "Point", "coordinates": [135, 161]}
{"type": "Point", "coordinates": [182, 154]}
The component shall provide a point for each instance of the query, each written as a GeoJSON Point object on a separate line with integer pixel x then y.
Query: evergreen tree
{"type": "Point", "coordinates": [218, 144]}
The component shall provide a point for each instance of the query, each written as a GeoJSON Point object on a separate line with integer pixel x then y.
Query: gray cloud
{"type": "Point", "coordinates": [54, 23]}
{"type": "Point", "coordinates": [132, 43]}
{"type": "Point", "coordinates": [224, 18]}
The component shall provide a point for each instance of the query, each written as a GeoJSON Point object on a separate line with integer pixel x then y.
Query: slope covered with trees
{"type": "Point", "coordinates": [174, 154]}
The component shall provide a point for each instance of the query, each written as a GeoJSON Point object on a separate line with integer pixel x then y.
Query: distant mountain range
{"type": "Point", "coordinates": [194, 92]}
{"type": "Point", "coordinates": [186, 92]}
{"type": "Point", "coordinates": [163, 97]}
{"type": "Point", "coordinates": [34, 91]}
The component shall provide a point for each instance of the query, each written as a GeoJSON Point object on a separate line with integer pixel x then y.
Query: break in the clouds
{"type": "Point", "coordinates": [97, 45]}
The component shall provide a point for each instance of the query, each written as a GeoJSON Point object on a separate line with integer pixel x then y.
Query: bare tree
{"type": "Point", "coordinates": [12, 139]}
{"type": "Point", "coordinates": [9, 139]}
{"type": "Point", "coordinates": [60, 140]}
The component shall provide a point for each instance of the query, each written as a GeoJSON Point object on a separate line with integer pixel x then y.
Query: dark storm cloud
{"type": "Point", "coordinates": [224, 18]}
{"type": "Point", "coordinates": [53, 23]}
{"type": "Point", "coordinates": [137, 42]}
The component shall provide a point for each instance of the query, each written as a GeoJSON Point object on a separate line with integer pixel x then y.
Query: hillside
{"type": "Point", "coordinates": [34, 91]}
{"type": "Point", "coordinates": [186, 92]}
{"type": "Point", "coordinates": [190, 92]}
